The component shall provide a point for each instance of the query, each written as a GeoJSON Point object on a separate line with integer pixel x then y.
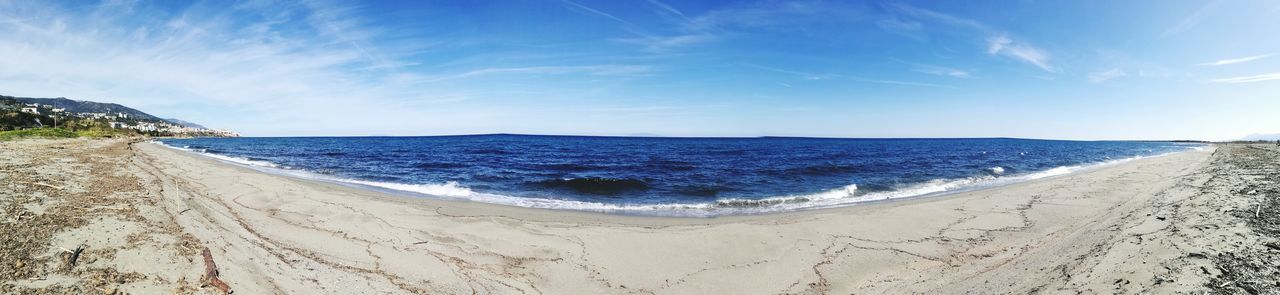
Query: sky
{"type": "Point", "coordinates": [1033, 69]}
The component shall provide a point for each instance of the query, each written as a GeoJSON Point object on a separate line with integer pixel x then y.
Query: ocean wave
{"type": "Point", "coordinates": [448, 189]}
{"type": "Point", "coordinates": [823, 169]}
{"type": "Point", "coordinates": [207, 153]}
{"type": "Point", "coordinates": [439, 165]}
{"type": "Point", "coordinates": [836, 197]}
{"type": "Point", "coordinates": [997, 170]}
{"type": "Point", "coordinates": [595, 185]}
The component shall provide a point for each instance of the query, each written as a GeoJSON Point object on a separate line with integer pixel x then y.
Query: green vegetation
{"type": "Point", "coordinates": [63, 133]}
{"type": "Point", "coordinates": [41, 132]}
{"type": "Point", "coordinates": [103, 133]}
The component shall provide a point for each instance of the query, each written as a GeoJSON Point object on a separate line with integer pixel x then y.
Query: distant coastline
{"type": "Point", "coordinates": [25, 113]}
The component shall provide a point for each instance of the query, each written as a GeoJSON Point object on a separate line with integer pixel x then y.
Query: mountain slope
{"type": "Point", "coordinates": [80, 106]}
{"type": "Point", "coordinates": [185, 123]}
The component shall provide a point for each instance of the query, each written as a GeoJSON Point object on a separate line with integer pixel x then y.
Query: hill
{"type": "Point", "coordinates": [83, 106]}
{"type": "Point", "coordinates": [184, 123]}
{"type": "Point", "coordinates": [21, 113]}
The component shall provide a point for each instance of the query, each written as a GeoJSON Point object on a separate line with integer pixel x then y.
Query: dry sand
{"type": "Point", "coordinates": [1191, 222]}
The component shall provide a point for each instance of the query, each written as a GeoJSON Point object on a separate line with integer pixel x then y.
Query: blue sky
{"type": "Point", "coordinates": [1040, 69]}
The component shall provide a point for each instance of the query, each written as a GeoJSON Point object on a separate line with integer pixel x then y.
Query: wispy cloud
{"type": "Point", "coordinates": [1107, 75]}
{"type": "Point", "coordinates": [998, 43]}
{"type": "Point", "coordinates": [1235, 60]}
{"type": "Point", "coordinates": [628, 26]}
{"type": "Point", "coordinates": [596, 12]}
{"type": "Point", "coordinates": [645, 109]}
{"type": "Point", "coordinates": [1003, 45]}
{"type": "Point", "coordinates": [1247, 79]}
{"type": "Point", "coordinates": [667, 43]}
{"type": "Point", "coordinates": [909, 28]}
{"type": "Point", "coordinates": [900, 83]}
{"type": "Point", "coordinates": [267, 68]}
{"type": "Point", "coordinates": [1191, 20]}
{"type": "Point", "coordinates": [804, 75]}
{"type": "Point", "coordinates": [939, 17]}
{"type": "Point", "coordinates": [596, 70]}
{"type": "Point", "coordinates": [667, 8]}
{"type": "Point", "coordinates": [936, 70]}
{"type": "Point", "coordinates": [815, 76]}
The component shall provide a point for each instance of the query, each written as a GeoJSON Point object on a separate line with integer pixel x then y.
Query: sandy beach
{"type": "Point", "coordinates": [141, 215]}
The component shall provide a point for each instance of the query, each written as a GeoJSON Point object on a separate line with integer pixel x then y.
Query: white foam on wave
{"type": "Point", "coordinates": [237, 160]}
{"type": "Point", "coordinates": [448, 189]}
{"type": "Point", "coordinates": [842, 196]}
{"type": "Point", "coordinates": [997, 170]}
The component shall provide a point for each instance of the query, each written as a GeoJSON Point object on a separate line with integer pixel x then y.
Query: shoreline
{"type": "Point", "coordinates": [1150, 225]}
{"type": "Point", "coordinates": [676, 210]}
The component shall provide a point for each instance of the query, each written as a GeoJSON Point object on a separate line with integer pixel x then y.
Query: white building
{"type": "Point", "coordinates": [32, 110]}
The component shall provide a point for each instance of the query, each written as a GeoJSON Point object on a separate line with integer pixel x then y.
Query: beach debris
{"type": "Point", "coordinates": [211, 273]}
{"type": "Point", "coordinates": [44, 185]}
{"type": "Point", "coordinates": [72, 256]}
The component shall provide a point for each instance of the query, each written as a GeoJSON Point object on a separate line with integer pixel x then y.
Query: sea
{"type": "Point", "coordinates": [697, 177]}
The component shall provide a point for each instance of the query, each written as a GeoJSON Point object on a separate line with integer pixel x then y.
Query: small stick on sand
{"type": "Point", "coordinates": [44, 185]}
{"type": "Point", "coordinates": [211, 273]}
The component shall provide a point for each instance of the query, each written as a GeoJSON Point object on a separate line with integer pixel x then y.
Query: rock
{"type": "Point", "coordinates": [19, 264]}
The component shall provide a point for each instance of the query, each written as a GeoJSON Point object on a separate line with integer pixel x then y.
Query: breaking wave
{"type": "Point", "coordinates": [841, 196]}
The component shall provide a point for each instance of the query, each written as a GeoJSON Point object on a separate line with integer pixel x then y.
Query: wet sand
{"type": "Point", "coordinates": [1177, 223]}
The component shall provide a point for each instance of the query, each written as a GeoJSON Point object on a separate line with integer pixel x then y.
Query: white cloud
{"type": "Point", "coordinates": [1003, 45]}
{"type": "Point", "coordinates": [1247, 79]}
{"type": "Point", "coordinates": [1235, 60]}
{"type": "Point", "coordinates": [1103, 76]}
{"type": "Point", "coordinates": [270, 68]}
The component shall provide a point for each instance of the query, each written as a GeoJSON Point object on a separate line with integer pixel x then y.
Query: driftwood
{"type": "Point", "coordinates": [211, 273]}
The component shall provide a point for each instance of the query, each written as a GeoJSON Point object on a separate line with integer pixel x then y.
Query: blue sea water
{"type": "Point", "coordinates": [669, 176]}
